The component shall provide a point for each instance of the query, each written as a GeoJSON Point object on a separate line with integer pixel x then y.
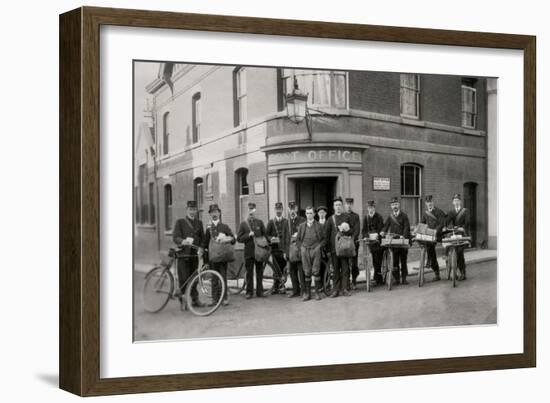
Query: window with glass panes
{"type": "Point", "coordinates": [165, 133]}
{"type": "Point", "coordinates": [168, 207]}
{"type": "Point", "coordinates": [324, 88]}
{"type": "Point", "coordinates": [242, 191]}
{"type": "Point", "coordinates": [410, 95]}
{"type": "Point", "coordinates": [240, 98]}
{"type": "Point", "coordinates": [469, 105]}
{"type": "Point", "coordinates": [411, 191]}
{"type": "Point", "coordinates": [152, 203]}
{"type": "Point", "coordinates": [196, 117]}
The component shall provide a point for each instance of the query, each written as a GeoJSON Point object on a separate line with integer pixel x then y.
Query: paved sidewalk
{"type": "Point", "coordinates": [472, 256]}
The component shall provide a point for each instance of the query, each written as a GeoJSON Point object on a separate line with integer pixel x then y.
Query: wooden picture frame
{"type": "Point", "coordinates": [79, 346]}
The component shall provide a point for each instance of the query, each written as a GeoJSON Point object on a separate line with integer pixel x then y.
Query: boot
{"type": "Point", "coordinates": [317, 289]}
{"type": "Point", "coordinates": [307, 290]}
{"type": "Point", "coordinates": [437, 277]}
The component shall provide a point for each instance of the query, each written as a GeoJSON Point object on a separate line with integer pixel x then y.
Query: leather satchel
{"type": "Point", "coordinates": [219, 252]}
{"type": "Point", "coordinates": [262, 250]}
{"type": "Point", "coordinates": [344, 244]}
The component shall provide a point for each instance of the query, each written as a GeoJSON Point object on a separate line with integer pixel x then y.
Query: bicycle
{"type": "Point", "coordinates": [160, 287]}
{"type": "Point", "coordinates": [368, 260]}
{"type": "Point", "coordinates": [272, 271]}
{"type": "Point", "coordinates": [451, 244]}
{"type": "Point", "coordinates": [389, 243]}
{"type": "Point", "coordinates": [424, 239]}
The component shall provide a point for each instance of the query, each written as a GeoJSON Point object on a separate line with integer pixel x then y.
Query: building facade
{"type": "Point", "coordinates": [221, 134]}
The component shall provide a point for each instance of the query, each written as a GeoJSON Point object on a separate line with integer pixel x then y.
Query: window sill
{"type": "Point", "coordinates": [147, 226]}
{"type": "Point", "coordinates": [412, 121]}
{"type": "Point", "coordinates": [472, 131]}
{"type": "Point", "coordinates": [168, 232]}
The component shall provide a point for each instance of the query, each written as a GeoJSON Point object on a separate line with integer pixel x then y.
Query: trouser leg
{"type": "Point", "coordinates": [281, 263]}
{"type": "Point", "coordinates": [337, 273]}
{"type": "Point", "coordinates": [344, 270]}
{"type": "Point", "coordinates": [377, 263]}
{"type": "Point", "coordinates": [403, 260]}
{"type": "Point", "coordinates": [354, 267]}
{"type": "Point", "coordinates": [396, 256]}
{"type": "Point", "coordinates": [259, 278]}
{"type": "Point", "coordinates": [432, 258]}
{"type": "Point", "coordinates": [249, 264]}
{"type": "Point", "coordinates": [460, 260]}
{"type": "Point", "coordinates": [294, 269]}
{"type": "Point", "coordinates": [186, 268]}
{"type": "Point", "coordinates": [307, 262]}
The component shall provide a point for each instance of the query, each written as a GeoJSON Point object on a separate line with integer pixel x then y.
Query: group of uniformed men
{"type": "Point", "coordinates": [314, 238]}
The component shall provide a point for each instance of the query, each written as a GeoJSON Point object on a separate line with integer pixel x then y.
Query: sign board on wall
{"type": "Point", "coordinates": [380, 183]}
{"type": "Point", "coordinates": [259, 187]}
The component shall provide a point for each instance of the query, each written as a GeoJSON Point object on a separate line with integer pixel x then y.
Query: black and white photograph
{"type": "Point", "coordinates": [279, 200]}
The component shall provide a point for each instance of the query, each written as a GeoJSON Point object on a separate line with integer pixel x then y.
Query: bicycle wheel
{"type": "Point", "coordinates": [157, 289]}
{"type": "Point", "coordinates": [236, 280]}
{"type": "Point", "coordinates": [328, 281]}
{"type": "Point", "coordinates": [389, 265]}
{"type": "Point", "coordinates": [421, 266]}
{"type": "Point", "coordinates": [452, 265]}
{"type": "Point", "coordinates": [200, 293]}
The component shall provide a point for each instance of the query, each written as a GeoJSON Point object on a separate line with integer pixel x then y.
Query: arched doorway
{"type": "Point", "coordinates": [470, 202]}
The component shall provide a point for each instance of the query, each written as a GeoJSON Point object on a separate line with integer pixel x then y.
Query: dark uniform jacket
{"type": "Point", "coordinates": [332, 229]}
{"type": "Point", "coordinates": [212, 232]}
{"type": "Point", "coordinates": [398, 226]}
{"type": "Point", "coordinates": [293, 224]}
{"type": "Point", "coordinates": [372, 225]}
{"type": "Point", "coordinates": [279, 229]}
{"type": "Point", "coordinates": [251, 224]}
{"type": "Point", "coordinates": [436, 219]}
{"type": "Point", "coordinates": [355, 224]}
{"type": "Point", "coordinates": [460, 219]}
{"type": "Point", "coordinates": [185, 227]}
{"type": "Point", "coordinates": [318, 228]}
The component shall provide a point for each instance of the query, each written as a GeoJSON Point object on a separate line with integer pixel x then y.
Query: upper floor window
{"type": "Point", "coordinates": [165, 133]}
{"type": "Point", "coordinates": [196, 117]}
{"type": "Point", "coordinates": [324, 87]}
{"type": "Point", "coordinates": [239, 96]}
{"type": "Point", "coordinates": [152, 212]}
{"type": "Point", "coordinates": [410, 95]}
{"type": "Point", "coordinates": [168, 207]}
{"type": "Point", "coordinates": [469, 104]}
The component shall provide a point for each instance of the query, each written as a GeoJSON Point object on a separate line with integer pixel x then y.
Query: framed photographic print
{"type": "Point", "coordinates": [275, 201]}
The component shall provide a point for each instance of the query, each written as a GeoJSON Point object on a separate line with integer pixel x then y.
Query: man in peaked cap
{"type": "Point", "coordinates": [279, 237]}
{"type": "Point", "coordinates": [252, 227]}
{"type": "Point", "coordinates": [188, 235]}
{"type": "Point", "coordinates": [435, 219]}
{"type": "Point", "coordinates": [217, 232]}
{"type": "Point", "coordinates": [295, 267]}
{"type": "Point", "coordinates": [459, 216]}
{"type": "Point", "coordinates": [373, 224]}
{"type": "Point", "coordinates": [339, 222]}
{"type": "Point", "coordinates": [398, 223]}
{"type": "Point", "coordinates": [356, 225]}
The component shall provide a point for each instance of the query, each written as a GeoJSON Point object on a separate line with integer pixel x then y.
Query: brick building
{"type": "Point", "coordinates": [221, 134]}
